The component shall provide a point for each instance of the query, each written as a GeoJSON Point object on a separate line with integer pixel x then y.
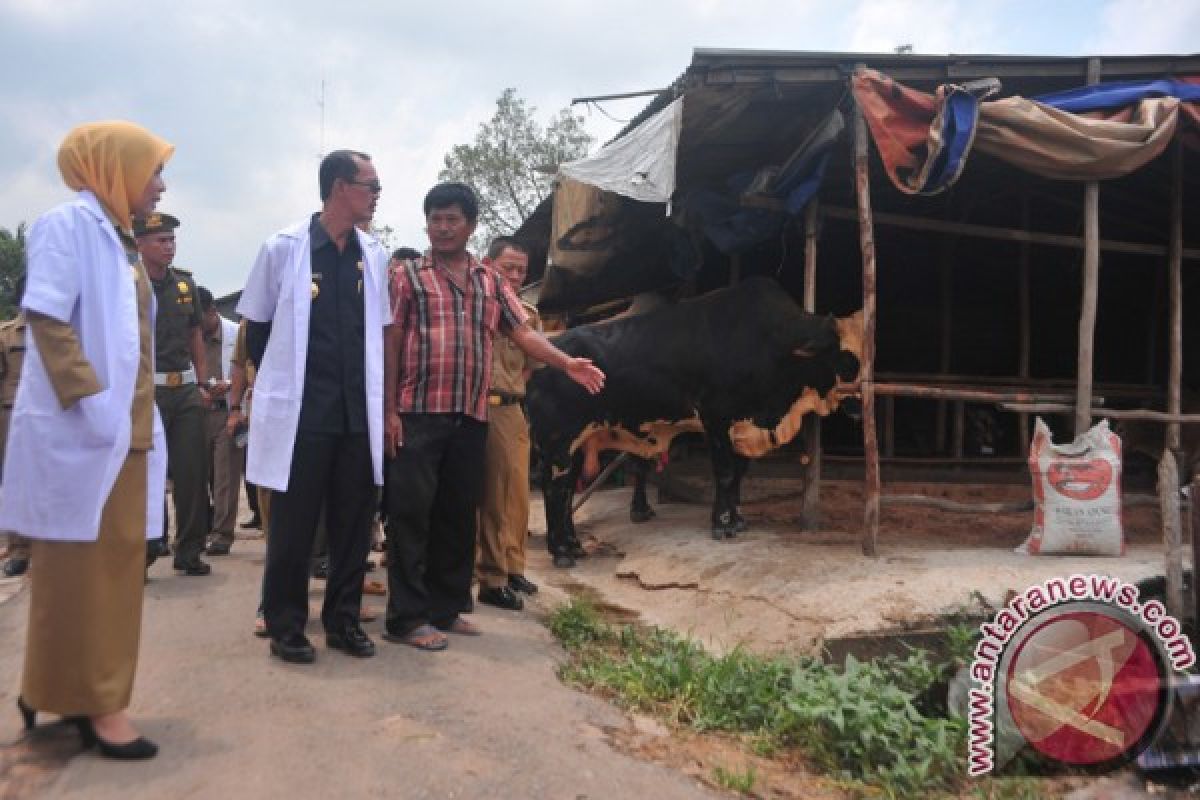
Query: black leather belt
{"type": "Point", "coordinates": [503, 398]}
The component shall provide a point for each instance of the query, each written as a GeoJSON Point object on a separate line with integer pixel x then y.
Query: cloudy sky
{"type": "Point", "coordinates": [236, 85]}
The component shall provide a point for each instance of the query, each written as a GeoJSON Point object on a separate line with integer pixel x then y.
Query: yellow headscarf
{"type": "Point", "coordinates": [115, 160]}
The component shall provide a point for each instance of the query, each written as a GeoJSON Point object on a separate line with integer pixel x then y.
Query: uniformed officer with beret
{"type": "Point", "coordinates": [179, 357]}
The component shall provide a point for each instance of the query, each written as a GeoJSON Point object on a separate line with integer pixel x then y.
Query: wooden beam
{"type": "Point", "coordinates": [866, 240]}
{"type": "Point", "coordinates": [958, 393]}
{"type": "Point", "coordinates": [1085, 362]}
{"type": "Point", "coordinates": [810, 503]}
{"type": "Point", "coordinates": [1110, 413]}
{"type": "Point", "coordinates": [915, 223]}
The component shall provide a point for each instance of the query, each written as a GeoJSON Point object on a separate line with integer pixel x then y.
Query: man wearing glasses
{"type": "Point", "coordinates": [317, 301]}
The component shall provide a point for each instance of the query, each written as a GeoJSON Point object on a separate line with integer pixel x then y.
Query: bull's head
{"type": "Point", "coordinates": [753, 441]}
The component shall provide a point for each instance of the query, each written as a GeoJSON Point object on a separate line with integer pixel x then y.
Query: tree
{"type": "Point", "coordinates": [12, 268]}
{"type": "Point", "coordinates": [512, 162]}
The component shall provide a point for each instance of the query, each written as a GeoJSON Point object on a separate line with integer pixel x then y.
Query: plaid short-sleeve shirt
{"type": "Point", "coordinates": [446, 333]}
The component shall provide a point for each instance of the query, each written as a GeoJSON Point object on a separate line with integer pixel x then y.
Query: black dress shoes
{"type": "Point", "coordinates": [351, 640]}
{"type": "Point", "coordinates": [196, 568]}
{"type": "Point", "coordinates": [501, 597]}
{"type": "Point", "coordinates": [218, 548]}
{"type": "Point", "coordinates": [519, 583]}
{"type": "Point", "coordinates": [295, 649]}
{"type": "Point", "coordinates": [16, 566]}
{"type": "Point", "coordinates": [139, 749]}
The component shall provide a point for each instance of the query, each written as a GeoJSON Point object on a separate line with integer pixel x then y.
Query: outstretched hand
{"type": "Point", "coordinates": [586, 374]}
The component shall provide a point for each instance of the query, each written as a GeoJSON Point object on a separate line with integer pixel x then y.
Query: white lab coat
{"type": "Point", "coordinates": [229, 332]}
{"type": "Point", "coordinates": [60, 465]}
{"type": "Point", "coordinates": [279, 290]}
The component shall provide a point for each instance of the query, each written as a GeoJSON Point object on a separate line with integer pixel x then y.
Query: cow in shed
{"type": "Point", "coordinates": [742, 365]}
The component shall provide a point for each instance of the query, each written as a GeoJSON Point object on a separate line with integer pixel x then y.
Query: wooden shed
{"type": "Point", "coordinates": [993, 287]}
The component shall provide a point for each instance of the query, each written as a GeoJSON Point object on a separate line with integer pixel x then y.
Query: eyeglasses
{"type": "Point", "coordinates": [374, 187]}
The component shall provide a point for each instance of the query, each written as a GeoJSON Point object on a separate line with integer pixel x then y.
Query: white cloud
{"type": "Point", "coordinates": [236, 85]}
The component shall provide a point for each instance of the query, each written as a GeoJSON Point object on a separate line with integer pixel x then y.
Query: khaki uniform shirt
{"type": "Point", "coordinates": [178, 313]}
{"type": "Point", "coordinates": [509, 362]}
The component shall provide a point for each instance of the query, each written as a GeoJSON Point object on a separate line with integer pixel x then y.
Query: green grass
{"type": "Point", "coordinates": [865, 723]}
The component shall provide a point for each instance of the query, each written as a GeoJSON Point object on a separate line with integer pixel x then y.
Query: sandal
{"type": "Point", "coordinates": [422, 637]}
{"type": "Point", "coordinates": [461, 627]}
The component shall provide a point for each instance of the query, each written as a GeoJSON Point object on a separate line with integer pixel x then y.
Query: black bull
{"type": "Point", "coordinates": [743, 353]}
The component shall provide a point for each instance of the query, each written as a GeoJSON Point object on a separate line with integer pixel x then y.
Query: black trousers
{"type": "Point", "coordinates": [434, 485]}
{"type": "Point", "coordinates": [335, 471]}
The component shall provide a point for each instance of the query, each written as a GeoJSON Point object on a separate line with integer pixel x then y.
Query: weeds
{"type": "Point", "coordinates": [741, 782]}
{"type": "Point", "coordinates": [865, 723]}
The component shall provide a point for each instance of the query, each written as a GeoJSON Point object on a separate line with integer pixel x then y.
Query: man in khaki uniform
{"type": "Point", "coordinates": [225, 458]}
{"type": "Point", "coordinates": [182, 402]}
{"type": "Point", "coordinates": [12, 355]}
{"type": "Point", "coordinates": [504, 511]}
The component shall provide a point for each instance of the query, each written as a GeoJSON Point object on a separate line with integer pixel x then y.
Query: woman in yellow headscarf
{"type": "Point", "coordinates": [85, 454]}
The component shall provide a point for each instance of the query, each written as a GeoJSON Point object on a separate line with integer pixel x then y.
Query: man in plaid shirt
{"type": "Point", "coordinates": [446, 308]}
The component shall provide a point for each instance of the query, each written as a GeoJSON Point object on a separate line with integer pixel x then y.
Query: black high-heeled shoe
{"type": "Point", "coordinates": [28, 715]}
{"type": "Point", "coordinates": [139, 749]}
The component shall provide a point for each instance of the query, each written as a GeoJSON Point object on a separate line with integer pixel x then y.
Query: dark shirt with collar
{"type": "Point", "coordinates": [335, 396]}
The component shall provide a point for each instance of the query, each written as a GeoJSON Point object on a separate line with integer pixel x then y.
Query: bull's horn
{"type": "Point", "coordinates": [803, 352]}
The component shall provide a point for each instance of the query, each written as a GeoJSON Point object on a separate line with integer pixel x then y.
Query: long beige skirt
{"type": "Point", "coordinates": [85, 609]}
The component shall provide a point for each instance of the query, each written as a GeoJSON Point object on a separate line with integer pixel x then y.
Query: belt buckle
{"type": "Point", "coordinates": [495, 400]}
{"type": "Point", "coordinates": [174, 379]}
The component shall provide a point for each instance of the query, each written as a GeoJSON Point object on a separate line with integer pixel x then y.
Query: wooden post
{"type": "Point", "coordinates": [810, 504]}
{"type": "Point", "coordinates": [1091, 284]}
{"type": "Point", "coordinates": [1025, 335]}
{"type": "Point", "coordinates": [1169, 490]}
{"type": "Point", "coordinates": [866, 240]}
{"type": "Point", "coordinates": [1168, 500]}
{"type": "Point", "coordinates": [1175, 282]}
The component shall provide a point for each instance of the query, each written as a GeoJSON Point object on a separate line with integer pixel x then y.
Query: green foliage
{"type": "Point", "coordinates": [862, 722]}
{"type": "Point", "coordinates": [12, 268]}
{"type": "Point", "coordinates": [741, 782]}
{"type": "Point", "coordinates": [512, 161]}
{"type": "Point", "coordinates": [960, 644]}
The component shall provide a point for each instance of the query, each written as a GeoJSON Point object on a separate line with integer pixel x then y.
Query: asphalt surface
{"type": "Point", "coordinates": [485, 718]}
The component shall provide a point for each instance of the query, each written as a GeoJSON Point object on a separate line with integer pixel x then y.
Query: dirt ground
{"type": "Point", "coordinates": [778, 588]}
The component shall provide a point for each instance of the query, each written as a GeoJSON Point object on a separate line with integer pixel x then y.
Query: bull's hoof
{"type": "Point", "coordinates": [564, 561]}
{"type": "Point", "coordinates": [740, 524]}
{"type": "Point", "coordinates": [720, 532]}
{"type": "Point", "coordinates": [637, 515]}
{"type": "Point", "coordinates": [576, 549]}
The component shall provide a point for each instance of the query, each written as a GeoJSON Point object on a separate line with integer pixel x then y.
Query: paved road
{"type": "Point", "coordinates": [486, 718]}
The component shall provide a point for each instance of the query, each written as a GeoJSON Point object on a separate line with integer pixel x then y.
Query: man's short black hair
{"type": "Point", "coordinates": [206, 298]}
{"type": "Point", "coordinates": [338, 164]}
{"type": "Point", "coordinates": [445, 195]}
{"type": "Point", "coordinates": [502, 243]}
{"type": "Point", "coordinates": [405, 254]}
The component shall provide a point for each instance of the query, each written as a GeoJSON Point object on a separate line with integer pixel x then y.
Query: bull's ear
{"type": "Point", "coordinates": [846, 365]}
